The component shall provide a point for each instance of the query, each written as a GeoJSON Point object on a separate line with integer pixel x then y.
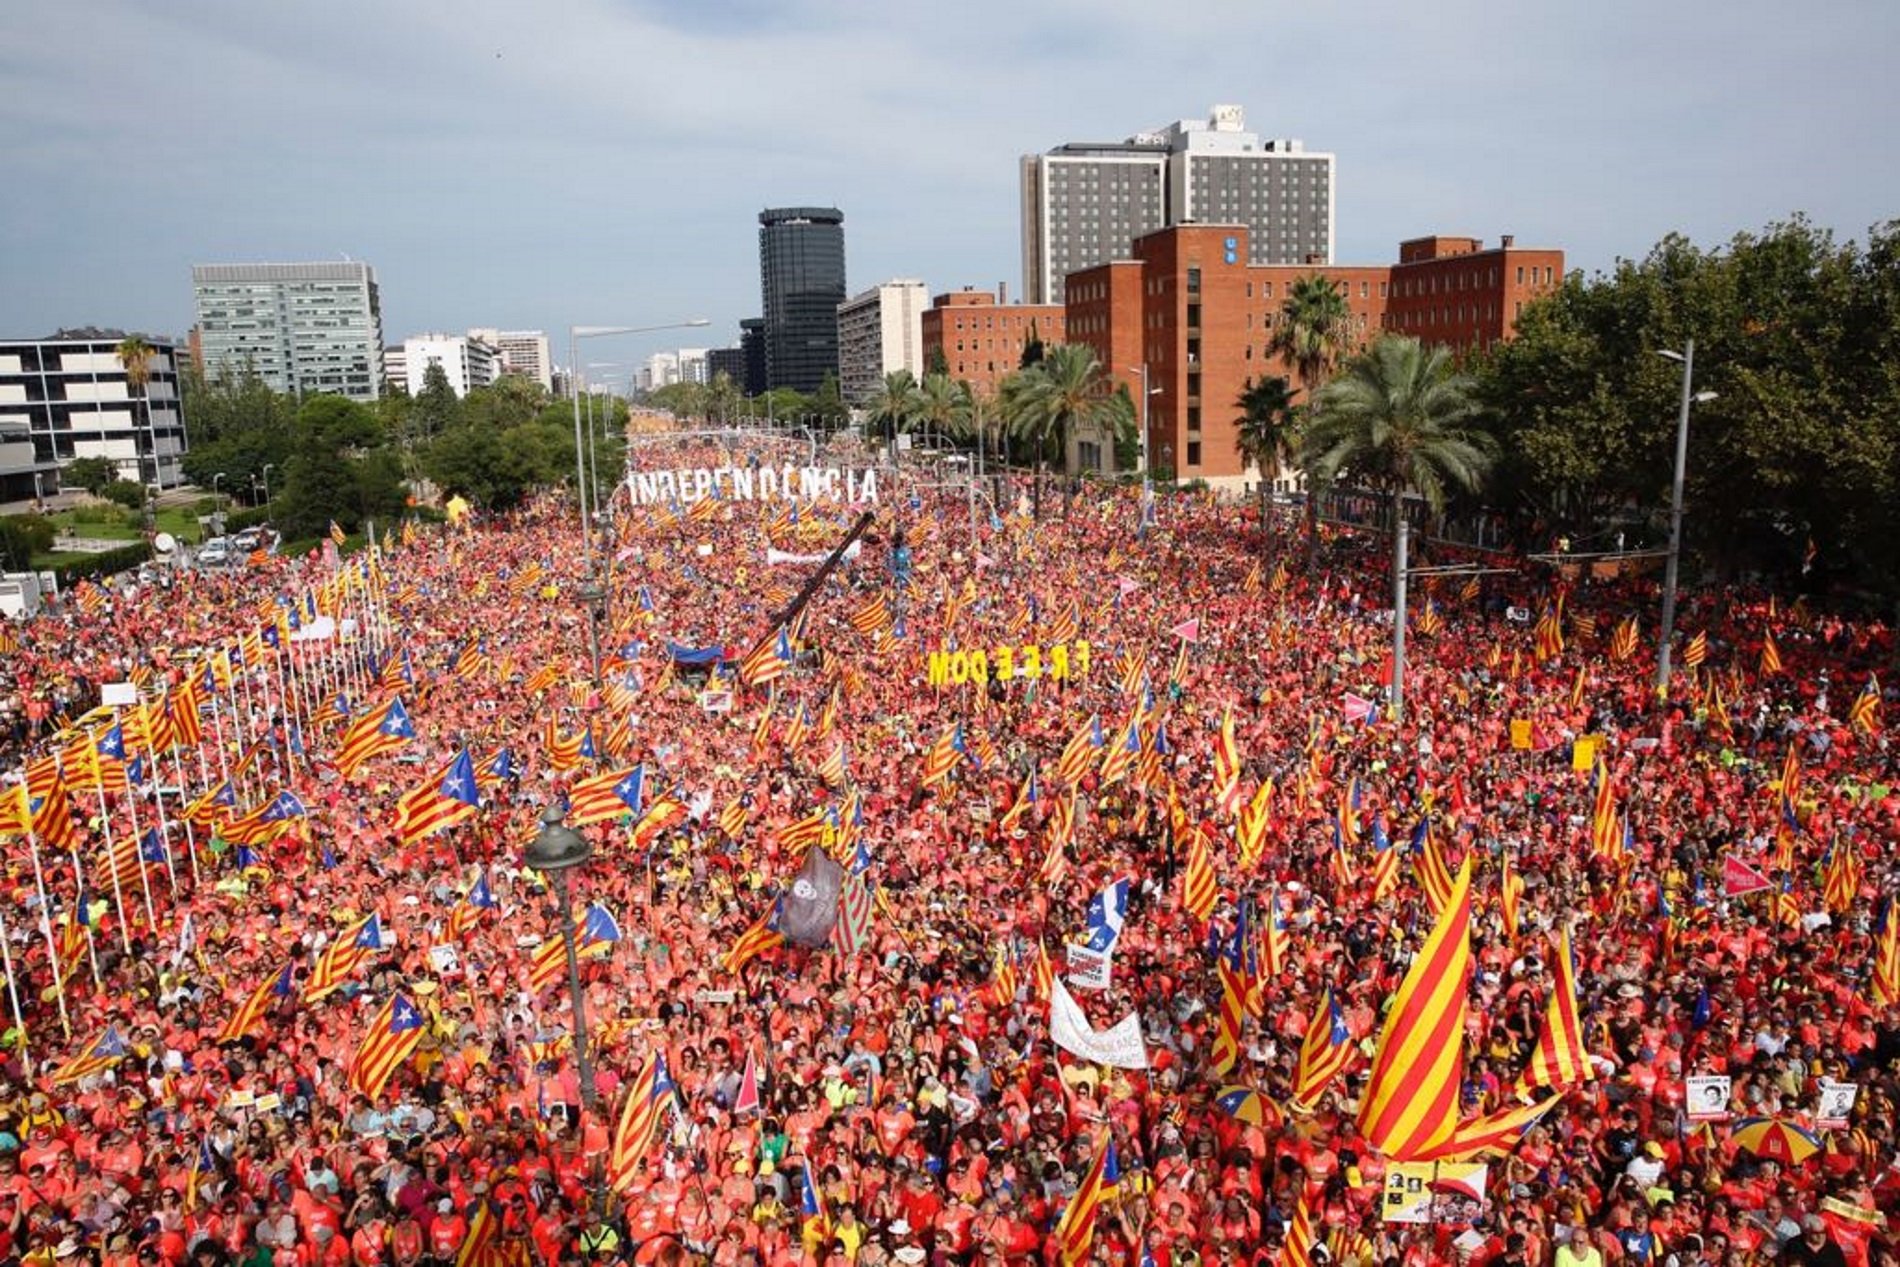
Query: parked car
{"type": "Point", "coordinates": [215, 552]}
{"type": "Point", "coordinates": [248, 539]}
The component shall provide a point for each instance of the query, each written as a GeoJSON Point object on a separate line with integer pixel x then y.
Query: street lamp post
{"type": "Point", "coordinates": [574, 335]}
{"type": "Point", "coordinates": [555, 850]}
{"type": "Point", "coordinates": [595, 597]}
{"type": "Point", "coordinates": [268, 467]}
{"type": "Point", "coordinates": [1689, 397]}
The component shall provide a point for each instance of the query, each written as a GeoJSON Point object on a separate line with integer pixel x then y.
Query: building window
{"type": "Point", "coordinates": [1193, 453]}
{"type": "Point", "coordinates": [1194, 281]}
{"type": "Point", "coordinates": [1194, 417]}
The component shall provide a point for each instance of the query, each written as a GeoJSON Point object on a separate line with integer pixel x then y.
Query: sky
{"type": "Point", "coordinates": [541, 163]}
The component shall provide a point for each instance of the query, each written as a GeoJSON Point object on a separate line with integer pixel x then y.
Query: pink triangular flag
{"type": "Point", "coordinates": [747, 1101]}
{"type": "Point", "coordinates": [1738, 878]}
{"type": "Point", "coordinates": [1128, 584]}
{"type": "Point", "coordinates": [1188, 630]}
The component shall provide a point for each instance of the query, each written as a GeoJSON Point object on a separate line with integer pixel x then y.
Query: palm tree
{"type": "Point", "coordinates": [1266, 434]}
{"type": "Point", "coordinates": [1397, 419]}
{"type": "Point", "coordinates": [895, 402]}
{"type": "Point", "coordinates": [1064, 390]}
{"type": "Point", "coordinates": [977, 411]}
{"type": "Point", "coordinates": [1312, 335]}
{"type": "Point", "coordinates": [135, 355]}
{"type": "Point", "coordinates": [940, 406]}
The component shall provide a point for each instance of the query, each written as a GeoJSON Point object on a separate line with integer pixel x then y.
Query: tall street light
{"type": "Point", "coordinates": [574, 335]}
{"type": "Point", "coordinates": [1689, 396]}
{"type": "Point", "coordinates": [555, 850]}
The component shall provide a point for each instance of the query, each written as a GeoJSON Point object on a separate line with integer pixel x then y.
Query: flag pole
{"type": "Point", "coordinates": [46, 921]}
{"type": "Point", "coordinates": [13, 993]}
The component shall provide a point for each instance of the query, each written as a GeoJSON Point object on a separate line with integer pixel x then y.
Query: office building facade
{"type": "Point", "coordinates": [880, 332]}
{"type": "Point", "coordinates": [466, 362]}
{"type": "Point", "coordinates": [305, 328]}
{"type": "Point", "coordinates": [801, 278]}
{"type": "Point", "coordinates": [980, 341]}
{"type": "Point", "coordinates": [728, 361]}
{"type": "Point", "coordinates": [70, 398]}
{"type": "Point", "coordinates": [523, 352]}
{"type": "Point", "coordinates": [1200, 318]}
{"type": "Point", "coordinates": [1086, 204]}
{"type": "Point", "coordinates": [752, 343]}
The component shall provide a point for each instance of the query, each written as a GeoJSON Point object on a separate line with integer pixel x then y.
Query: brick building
{"type": "Point", "coordinates": [980, 340]}
{"type": "Point", "coordinates": [1190, 309]}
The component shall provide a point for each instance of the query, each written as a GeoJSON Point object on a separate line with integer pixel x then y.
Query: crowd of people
{"type": "Point", "coordinates": [902, 1101]}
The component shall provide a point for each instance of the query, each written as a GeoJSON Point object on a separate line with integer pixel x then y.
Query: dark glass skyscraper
{"type": "Point", "coordinates": [801, 279]}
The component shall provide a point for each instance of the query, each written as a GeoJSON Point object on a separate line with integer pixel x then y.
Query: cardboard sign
{"type": "Point", "coordinates": [1420, 1192]}
{"type": "Point", "coordinates": [1835, 1104]}
{"type": "Point", "coordinates": [714, 997]}
{"type": "Point", "coordinates": [118, 694]}
{"type": "Point", "coordinates": [1089, 969]}
{"type": "Point", "coordinates": [444, 959]}
{"type": "Point", "coordinates": [1583, 753]}
{"type": "Point", "coordinates": [1708, 1098]}
{"type": "Point", "coordinates": [1521, 734]}
{"type": "Point", "coordinates": [266, 1103]}
{"type": "Point", "coordinates": [715, 701]}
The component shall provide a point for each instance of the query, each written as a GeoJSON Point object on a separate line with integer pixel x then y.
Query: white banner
{"type": "Point", "coordinates": [1089, 969]}
{"type": "Point", "coordinates": [778, 558]}
{"type": "Point", "coordinates": [1835, 1105]}
{"type": "Point", "coordinates": [1119, 1046]}
{"type": "Point", "coordinates": [1708, 1098]}
{"type": "Point", "coordinates": [318, 630]}
{"type": "Point", "coordinates": [748, 483]}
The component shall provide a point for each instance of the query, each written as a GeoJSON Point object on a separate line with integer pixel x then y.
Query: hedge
{"type": "Point", "coordinates": [107, 563]}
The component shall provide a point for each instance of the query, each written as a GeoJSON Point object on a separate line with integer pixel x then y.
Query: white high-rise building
{"type": "Point", "coordinates": [662, 370]}
{"type": "Point", "coordinates": [467, 363]}
{"type": "Point", "coordinates": [880, 332]}
{"type": "Point", "coordinates": [1085, 204]}
{"type": "Point", "coordinates": [304, 328]}
{"type": "Point", "coordinates": [523, 352]}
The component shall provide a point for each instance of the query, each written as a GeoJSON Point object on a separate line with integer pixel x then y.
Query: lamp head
{"type": "Point", "coordinates": [1669, 354]}
{"type": "Point", "coordinates": [556, 847]}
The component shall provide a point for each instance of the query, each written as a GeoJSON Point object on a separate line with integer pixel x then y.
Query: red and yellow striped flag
{"type": "Point", "coordinates": [1411, 1099]}
{"type": "Point", "coordinates": [1199, 885]}
{"type": "Point", "coordinates": [391, 1039]}
{"type": "Point", "coordinates": [1560, 1059]}
{"type": "Point", "coordinates": [647, 1102]}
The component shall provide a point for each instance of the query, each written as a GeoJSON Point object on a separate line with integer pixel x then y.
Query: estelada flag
{"type": "Point", "coordinates": [1740, 879]}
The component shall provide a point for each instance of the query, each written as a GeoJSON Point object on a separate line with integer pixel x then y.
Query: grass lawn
{"type": "Point", "coordinates": [181, 523]}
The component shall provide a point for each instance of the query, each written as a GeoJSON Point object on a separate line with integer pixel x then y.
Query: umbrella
{"type": "Point", "coordinates": [1247, 1105]}
{"type": "Point", "coordinates": [1775, 1139]}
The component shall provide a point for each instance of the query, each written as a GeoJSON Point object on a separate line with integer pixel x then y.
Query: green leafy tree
{"type": "Point", "coordinates": [941, 408]}
{"type": "Point", "coordinates": [1033, 350]}
{"type": "Point", "coordinates": [1266, 434]}
{"type": "Point", "coordinates": [723, 398]}
{"type": "Point", "coordinates": [339, 469]}
{"type": "Point", "coordinates": [22, 537]}
{"type": "Point", "coordinates": [1399, 418]}
{"type": "Point", "coordinates": [1312, 334]}
{"type": "Point", "coordinates": [828, 403]}
{"type": "Point", "coordinates": [895, 403]}
{"type": "Point", "coordinates": [1065, 390]}
{"type": "Point", "coordinates": [127, 493]}
{"type": "Point", "coordinates": [90, 474]}
{"type": "Point", "coordinates": [1796, 333]}
{"type": "Point", "coordinates": [435, 408]}
{"type": "Point", "coordinates": [238, 426]}
{"type": "Point", "coordinates": [684, 400]}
